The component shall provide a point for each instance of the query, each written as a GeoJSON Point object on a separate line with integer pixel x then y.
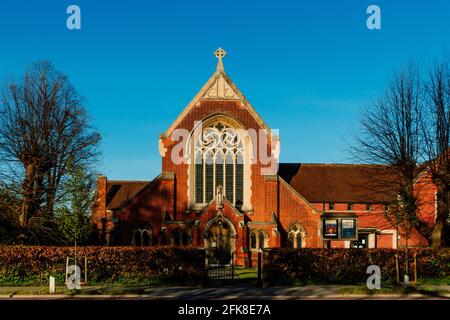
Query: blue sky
{"type": "Point", "coordinates": [308, 67]}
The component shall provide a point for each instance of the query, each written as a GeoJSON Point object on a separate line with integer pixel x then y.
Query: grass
{"type": "Point", "coordinates": [419, 289]}
{"type": "Point", "coordinates": [435, 281]}
{"type": "Point", "coordinates": [105, 289]}
{"type": "Point", "coordinates": [243, 277]}
{"type": "Point", "coordinates": [246, 276]}
{"type": "Point", "coordinates": [131, 280]}
{"type": "Point", "coordinates": [36, 290]}
{"type": "Point", "coordinates": [246, 273]}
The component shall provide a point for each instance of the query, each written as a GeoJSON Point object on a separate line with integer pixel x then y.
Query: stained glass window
{"type": "Point", "coordinates": [209, 178]}
{"type": "Point", "coordinates": [261, 240]}
{"type": "Point", "coordinates": [199, 179]}
{"type": "Point", "coordinates": [253, 240]}
{"type": "Point", "coordinates": [221, 148]}
{"type": "Point", "coordinates": [258, 239]}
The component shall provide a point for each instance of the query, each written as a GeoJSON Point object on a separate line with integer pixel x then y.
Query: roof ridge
{"type": "Point", "coordinates": [331, 164]}
{"type": "Point", "coordinates": [130, 181]}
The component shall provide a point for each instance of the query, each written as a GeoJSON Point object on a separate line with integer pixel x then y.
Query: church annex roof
{"type": "Point", "coordinates": [339, 183]}
{"type": "Point", "coordinates": [119, 193]}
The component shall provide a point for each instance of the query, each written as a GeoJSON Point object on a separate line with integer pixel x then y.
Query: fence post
{"type": "Point", "coordinates": [67, 266]}
{"type": "Point", "coordinates": [85, 270]}
{"type": "Point", "coordinates": [259, 267]}
{"type": "Point", "coordinates": [396, 268]}
{"type": "Point", "coordinates": [415, 267]}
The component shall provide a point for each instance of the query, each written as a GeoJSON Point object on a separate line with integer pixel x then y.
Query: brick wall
{"type": "Point", "coordinates": [294, 209]}
{"type": "Point", "coordinates": [99, 210]}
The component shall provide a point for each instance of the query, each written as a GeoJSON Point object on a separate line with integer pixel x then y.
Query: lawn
{"type": "Point", "coordinates": [246, 276]}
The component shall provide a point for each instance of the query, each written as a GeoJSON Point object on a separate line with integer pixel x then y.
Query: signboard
{"type": "Point", "coordinates": [336, 227]}
{"type": "Point", "coordinates": [348, 228]}
{"type": "Point", "coordinates": [330, 228]}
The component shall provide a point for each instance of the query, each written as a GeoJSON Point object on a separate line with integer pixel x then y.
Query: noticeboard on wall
{"type": "Point", "coordinates": [339, 228]}
{"type": "Point", "coordinates": [348, 227]}
{"type": "Point", "coordinates": [330, 228]}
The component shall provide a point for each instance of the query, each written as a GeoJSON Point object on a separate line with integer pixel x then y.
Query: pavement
{"type": "Point", "coordinates": [313, 292]}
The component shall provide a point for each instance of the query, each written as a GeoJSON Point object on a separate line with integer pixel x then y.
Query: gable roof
{"type": "Point", "coordinates": [218, 87]}
{"type": "Point", "coordinates": [340, 183]}
{"type": "Point", "coordinates": [225, 201]}
{"type": "Point", "coordinates": [119, 192]}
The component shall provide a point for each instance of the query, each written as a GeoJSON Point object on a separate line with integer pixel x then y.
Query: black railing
{"type": "Point", "coordinates": [219, 275]}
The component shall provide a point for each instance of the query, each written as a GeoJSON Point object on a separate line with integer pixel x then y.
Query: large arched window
{"type": "Point", "coordinates": [296, 235]}
{"type": "Point", "coordinates": [219, 160]}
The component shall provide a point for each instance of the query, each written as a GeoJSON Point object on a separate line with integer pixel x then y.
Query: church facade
{"type": "Point", "coordinates": [221, 188]}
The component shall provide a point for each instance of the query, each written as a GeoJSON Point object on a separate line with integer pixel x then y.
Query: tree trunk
{"type": "Point", "coordinates": [27, 202]}
{"type": "Point", "coordinates": [438, 234]}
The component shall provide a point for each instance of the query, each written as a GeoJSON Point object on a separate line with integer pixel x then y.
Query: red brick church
{"type": "Point", "coordinates": [222, 187]}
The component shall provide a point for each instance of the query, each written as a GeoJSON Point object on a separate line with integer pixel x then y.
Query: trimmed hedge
{"type": "Point", "coordinates": [32, 265]}
{"type": "Point", "coordinates": [348, 266]}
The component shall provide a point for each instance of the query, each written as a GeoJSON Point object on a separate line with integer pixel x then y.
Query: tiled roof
{"type": "Point", "coordinates": [119, 192]}
{"type": "Point", "coordinates": [339, 183]}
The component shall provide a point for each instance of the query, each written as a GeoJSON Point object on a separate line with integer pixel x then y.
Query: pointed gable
{"type": "Point", "coordinates": [219, 87]}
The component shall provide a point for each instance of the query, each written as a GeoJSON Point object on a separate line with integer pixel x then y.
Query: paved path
{"type": "Point", "coordinates": [229, 293]}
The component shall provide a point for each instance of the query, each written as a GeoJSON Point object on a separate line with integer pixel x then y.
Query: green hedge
{"type": "Point", "coordinates": [32, 265]}
{"type": "Point", "coordinates": [348, 266]}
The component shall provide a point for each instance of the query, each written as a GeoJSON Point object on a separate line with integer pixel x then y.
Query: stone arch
{"type": "Point", "coordinates": [219, 238]}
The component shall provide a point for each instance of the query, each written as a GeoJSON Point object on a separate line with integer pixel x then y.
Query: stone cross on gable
{"type": "Point", "coordinates": [220, 54]}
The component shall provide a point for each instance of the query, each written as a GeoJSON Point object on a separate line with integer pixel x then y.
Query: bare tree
{"type": "Point", "coordinates": [436, 132]}
{"type": "Point", "coordinates": [43, 124]}
{"type": "Point", "coordinates": [9, 204]}
{"type": "Point", "coordinates": [390, 137]}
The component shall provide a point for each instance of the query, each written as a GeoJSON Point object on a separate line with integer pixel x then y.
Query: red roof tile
{"type": "Point", "coordinates": [119, 193]}
{"type": "Point", "coordinates": [339, 183]}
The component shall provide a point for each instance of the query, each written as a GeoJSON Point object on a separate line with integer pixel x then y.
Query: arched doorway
{"type": "Point", "coordinates": [219, 237]}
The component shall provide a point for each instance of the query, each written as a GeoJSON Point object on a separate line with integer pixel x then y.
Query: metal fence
{"type": "Point", "coordinates": [219, 275]}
